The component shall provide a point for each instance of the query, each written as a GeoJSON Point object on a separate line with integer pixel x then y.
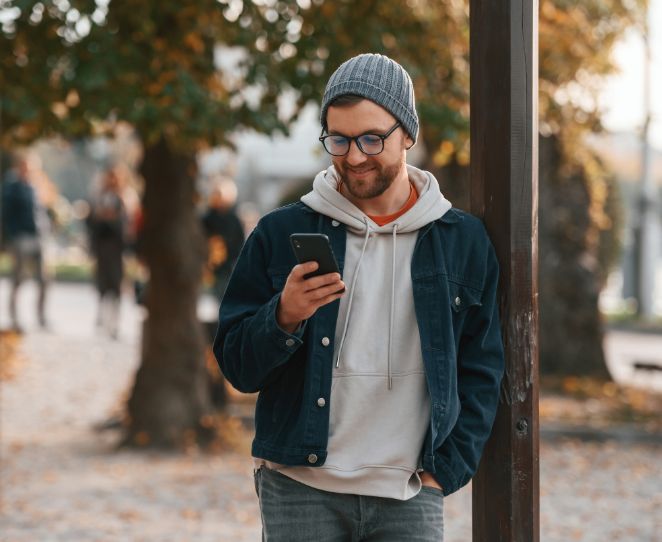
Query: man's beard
{"type": "Point", "coordinates": [368, 188]}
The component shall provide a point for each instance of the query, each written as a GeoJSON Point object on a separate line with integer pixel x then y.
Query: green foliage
{"type": "Point", "coordinates": [576, 41]}
{"type": "Point", "coordinates": [62, 271]}
{"type": "Point", "coordinates": [80, 66]}
{"type": "Point", "coordinates": [298, 45]}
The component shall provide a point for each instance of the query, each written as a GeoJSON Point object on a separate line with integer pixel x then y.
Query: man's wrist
{"type": "Point", "coordinates": [283, 322]}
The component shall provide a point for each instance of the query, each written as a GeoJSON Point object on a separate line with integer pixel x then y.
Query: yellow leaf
{"type": "Point", "coordinates": [193, 41]}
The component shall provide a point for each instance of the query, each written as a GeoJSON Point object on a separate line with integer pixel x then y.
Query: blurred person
{"type": "Point", "coordinates": [26, 224]}
{"type": "Point", "coordinates": [378, 388]}
{"type": "Point", "coordinates": [107, 223]}
{"type": "Point", "coordinates": [224, 231]}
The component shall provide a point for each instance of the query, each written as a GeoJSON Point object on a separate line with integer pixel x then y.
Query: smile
{"type": "Point", "coordinates": [360, 172]}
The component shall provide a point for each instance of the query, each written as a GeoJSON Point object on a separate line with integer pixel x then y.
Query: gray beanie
{"type": "Point", "coordinates": [380, 80]}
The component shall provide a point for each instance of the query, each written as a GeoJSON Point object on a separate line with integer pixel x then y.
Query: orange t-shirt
{"type": "Point", "coordinates": [385, 219]}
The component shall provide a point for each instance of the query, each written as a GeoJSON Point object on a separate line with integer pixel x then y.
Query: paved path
{"type": "Point", "coordinates": [61, 481]}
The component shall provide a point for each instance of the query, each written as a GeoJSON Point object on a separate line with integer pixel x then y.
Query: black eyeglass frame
{"type": "Point", "coordinates": [355, 139]}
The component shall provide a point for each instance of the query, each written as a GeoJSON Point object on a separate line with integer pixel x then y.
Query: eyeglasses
{"type": "Point", "coordinates": [370, 144]}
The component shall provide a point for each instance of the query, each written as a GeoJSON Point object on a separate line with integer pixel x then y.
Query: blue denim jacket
{"type": "Point", "coordinates": [454, 274]}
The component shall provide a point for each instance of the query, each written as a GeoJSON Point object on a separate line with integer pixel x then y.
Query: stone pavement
{"type": "Point", "coordinates": [61, 481]}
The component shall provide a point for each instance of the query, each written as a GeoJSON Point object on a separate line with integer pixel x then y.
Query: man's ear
{"type": "Point", "coordinates": [409, 142]}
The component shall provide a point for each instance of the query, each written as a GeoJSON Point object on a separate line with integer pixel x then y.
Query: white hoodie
{"type": "Point", "coordinates": [380, 405]}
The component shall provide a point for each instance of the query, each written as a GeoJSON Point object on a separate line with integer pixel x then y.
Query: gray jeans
{"type": "Point", "coordinates": [294, 512]}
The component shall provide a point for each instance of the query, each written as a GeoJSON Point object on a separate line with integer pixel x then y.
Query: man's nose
{"type": "Point", "coordinates": [355, 156]}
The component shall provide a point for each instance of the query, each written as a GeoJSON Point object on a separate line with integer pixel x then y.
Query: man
{"type": "Point", "coordinates": [376, 401]}
{"type": "Point", "coordinates": [25, 223]}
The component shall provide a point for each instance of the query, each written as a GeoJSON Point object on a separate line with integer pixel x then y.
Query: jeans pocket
{"type": "Point", "coordinates": [256, 479]}
{"type": "Point", "coordinates": [432, 490]}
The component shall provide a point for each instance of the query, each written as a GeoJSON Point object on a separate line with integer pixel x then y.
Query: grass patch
{"type": "Point", "coordinates": [629, 321]}
{"type": "Point", "coordinates": [62, 271]}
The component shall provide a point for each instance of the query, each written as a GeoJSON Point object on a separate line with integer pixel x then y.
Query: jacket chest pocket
{"type": "Point", "coordinates": [462, 299]}
{"type": "Point", "coordinates": [442, 306]}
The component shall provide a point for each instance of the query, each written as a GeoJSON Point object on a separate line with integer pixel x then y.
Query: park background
{"type": "Point", "coordinates": [168, 90]}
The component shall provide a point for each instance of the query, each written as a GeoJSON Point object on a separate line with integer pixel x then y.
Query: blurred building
{"type": "Point", "coordinates": [621, 153]}
{"type": "Point", "coordinates": [265, 167]}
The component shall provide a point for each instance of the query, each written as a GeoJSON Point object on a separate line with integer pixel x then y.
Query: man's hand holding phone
{"type": "Point", "coordinates": [301, 297]}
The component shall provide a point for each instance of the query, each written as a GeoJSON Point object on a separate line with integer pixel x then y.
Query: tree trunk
{"type": "Point", "coordinates": [169, 405]}
{"type": "Point", "coordinates": [571, 273]}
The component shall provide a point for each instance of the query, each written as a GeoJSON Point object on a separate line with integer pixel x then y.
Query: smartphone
{"type": "Point", "coordinates": [314, 247]}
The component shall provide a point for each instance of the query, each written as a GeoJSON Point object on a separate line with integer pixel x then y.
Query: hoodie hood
{"type": "Point", "coordinates": [327, 200]}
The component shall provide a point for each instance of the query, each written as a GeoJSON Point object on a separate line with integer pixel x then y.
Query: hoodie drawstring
{"type": "Point", "coordinates": [392, 314]}
{"type": "Point", "coordinates": [392, 308]}
{"type": "Point", "coordinates": [351, 291]}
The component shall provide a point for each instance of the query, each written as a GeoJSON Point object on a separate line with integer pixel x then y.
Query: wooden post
{"type": "Point", "coordinates": [504, 192]}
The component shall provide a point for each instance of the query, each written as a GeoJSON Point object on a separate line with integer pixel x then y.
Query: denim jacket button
{"type": "Point", "coordinates": [321, 402]}
{"type": "Point", "coordinates": [458, 301]}
{"type": "Point", "coordinates": [289, 342]}
{"type": "Point", "coordinates": [335, 223]}
{"type": "Point", "coordinates": [312, 458]}
{"type": "Point", "coordinates": [325, 341]}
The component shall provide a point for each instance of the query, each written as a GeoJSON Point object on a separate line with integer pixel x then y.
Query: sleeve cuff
{"type": "Point", "coordinates": [289, 342]}
{"type": "Point", "coordinates": [446, 479]}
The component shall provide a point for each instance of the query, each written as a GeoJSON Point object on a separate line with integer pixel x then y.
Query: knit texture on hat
{"type": "Point", "coordinates": [379, 79]}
